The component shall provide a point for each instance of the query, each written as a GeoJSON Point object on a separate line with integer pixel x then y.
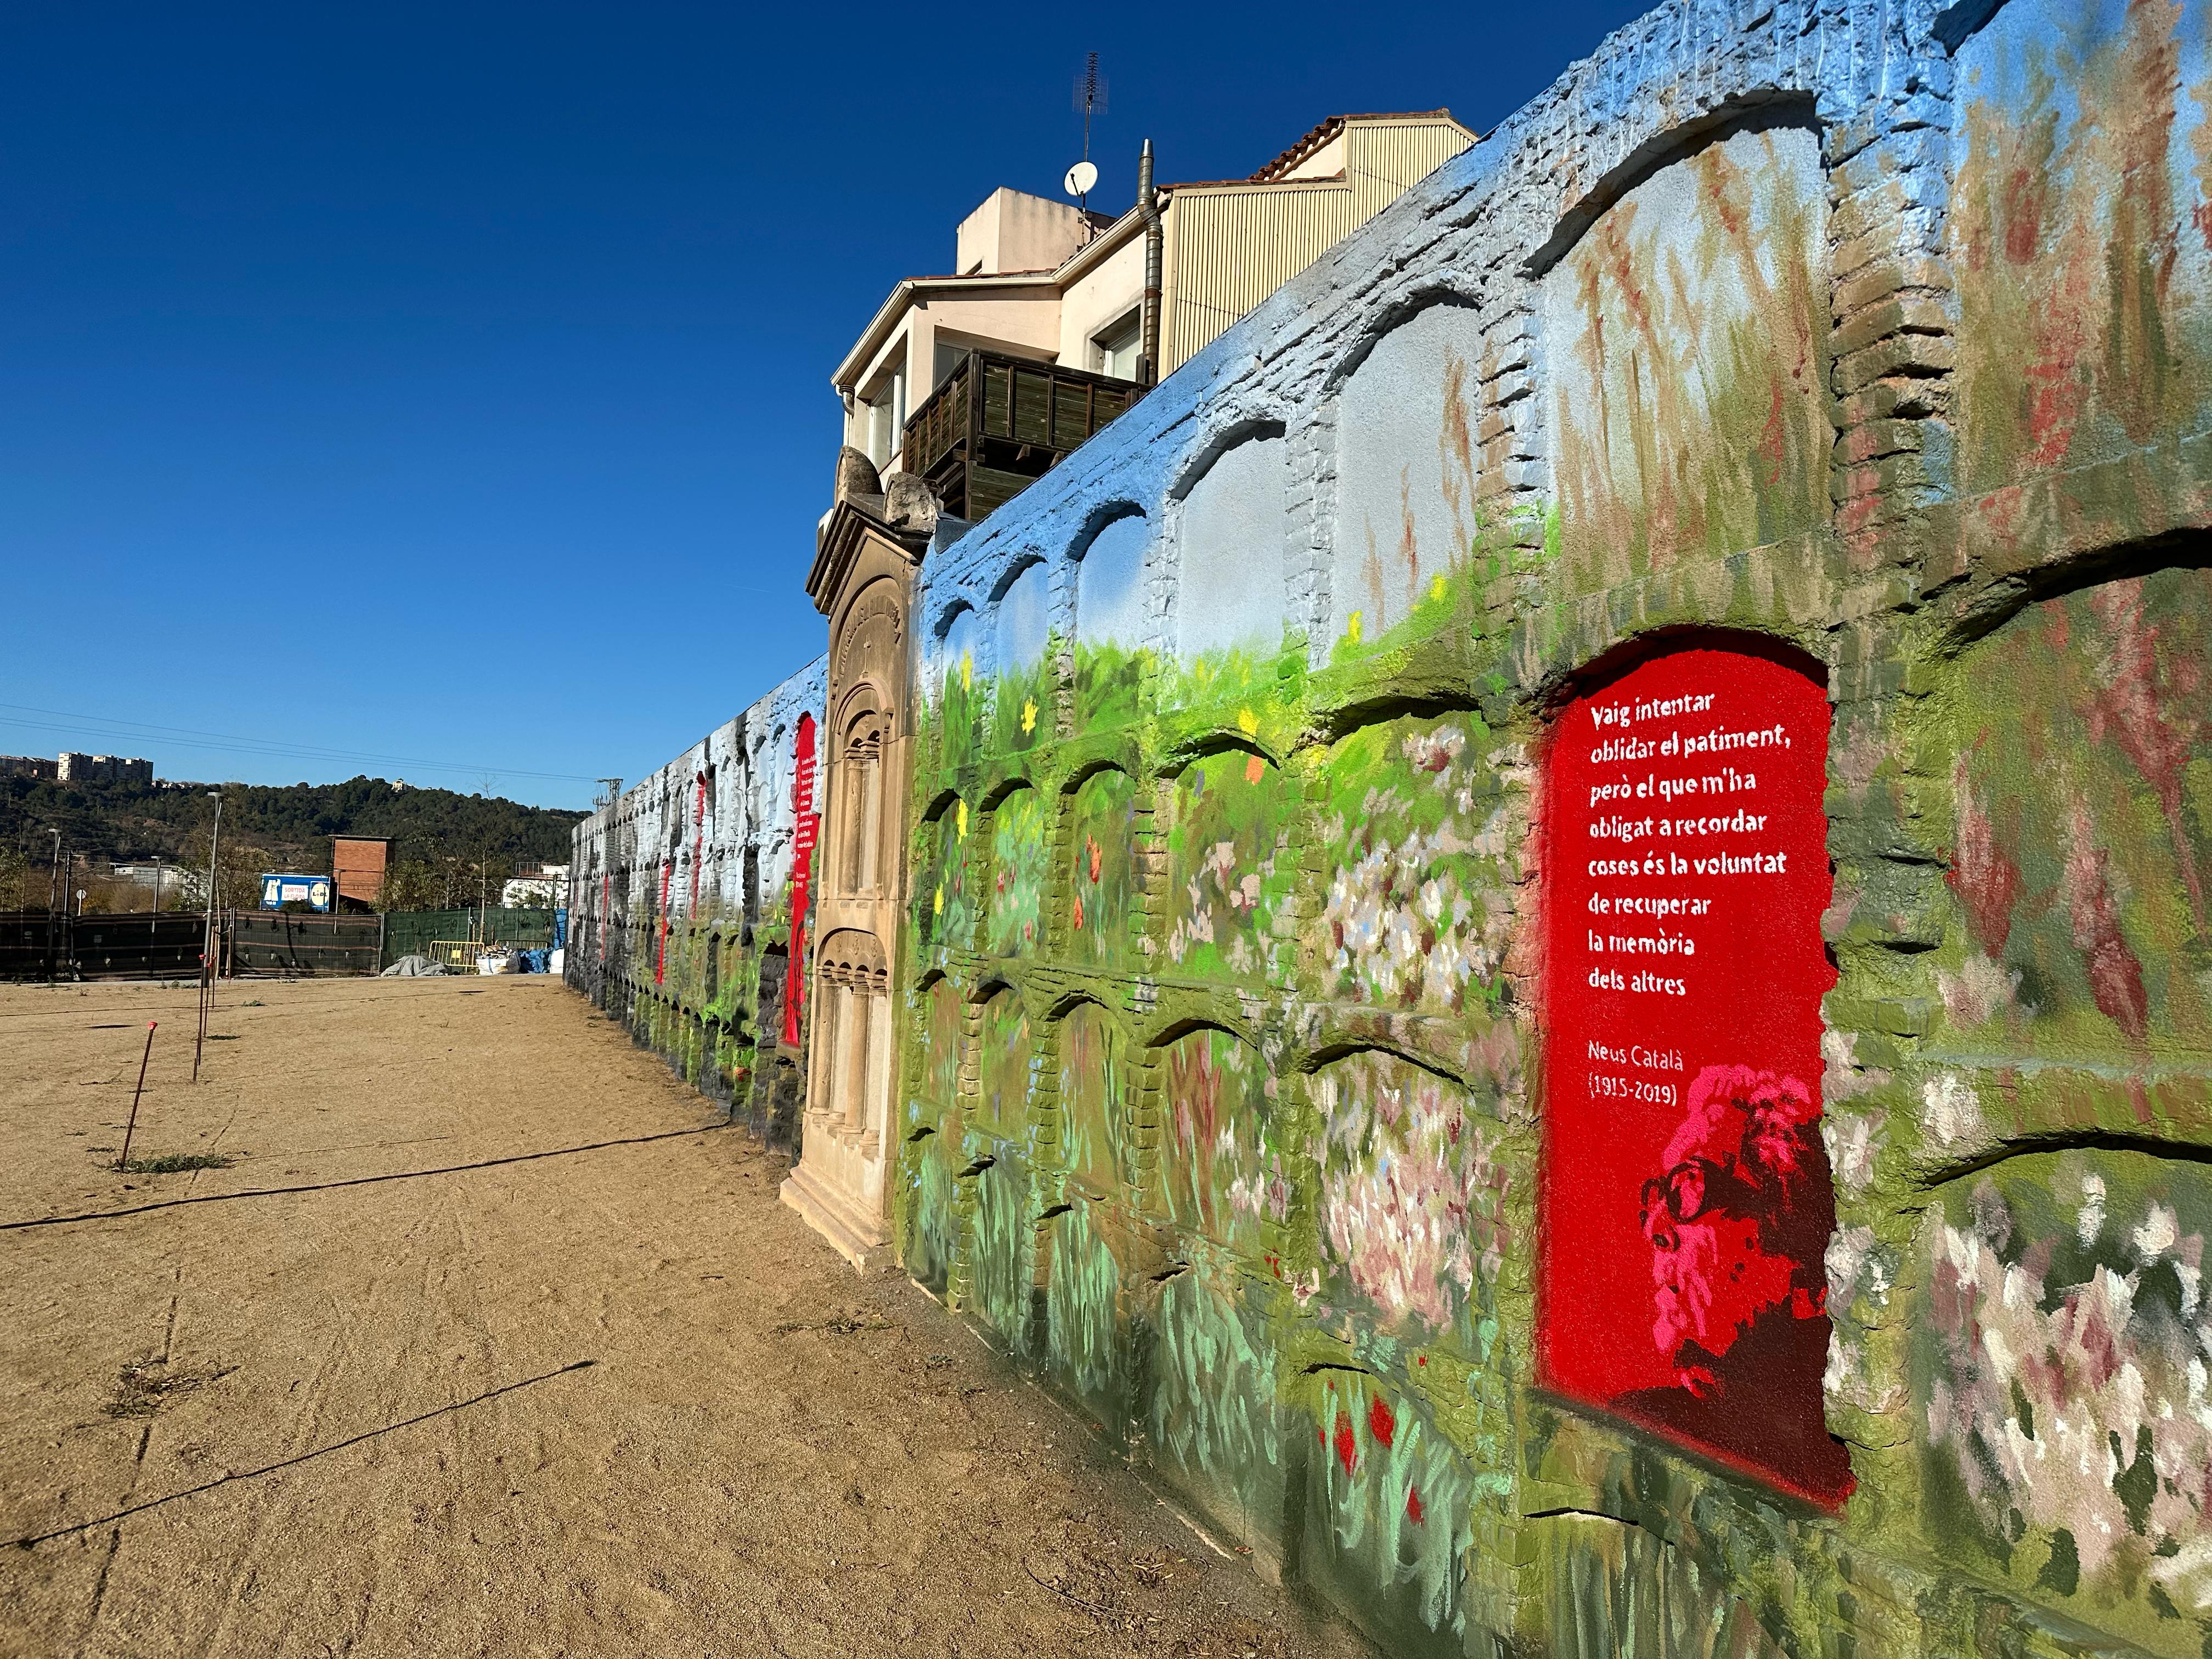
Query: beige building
{"type": "Point", "coordinates": [1040, 282]}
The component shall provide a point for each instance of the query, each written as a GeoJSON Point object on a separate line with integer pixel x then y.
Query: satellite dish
{"type": "Point", "coordinates": [1080, 177]}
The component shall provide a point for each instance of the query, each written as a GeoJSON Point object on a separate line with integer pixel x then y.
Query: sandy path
{"type": "Point", "coordinates": [766, 1453]}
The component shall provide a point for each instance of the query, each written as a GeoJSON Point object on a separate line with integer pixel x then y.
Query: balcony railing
{"type": "Point", "coordinates": [981, 449]}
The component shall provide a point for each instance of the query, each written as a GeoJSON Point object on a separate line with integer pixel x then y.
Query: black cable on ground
{"type": "Point", "coordinates": [33, 1540]}
{"type": "Point", "coordinates": [353, 1180]}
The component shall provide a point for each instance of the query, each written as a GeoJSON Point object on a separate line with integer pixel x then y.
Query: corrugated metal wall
{"type": "Point", "coordinates": [1231, 246]}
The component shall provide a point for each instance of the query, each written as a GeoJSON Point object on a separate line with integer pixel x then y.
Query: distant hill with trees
{"type": "Point", "coordinates": [447, 846]}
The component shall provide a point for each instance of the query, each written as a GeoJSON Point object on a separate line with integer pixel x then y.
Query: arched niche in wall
{"type": "Point", "coordinates": [956, 689]}
{"type": "Point", "coordinates": [1685, 344]}
{"type": "Point", "coordinates": [1093, 1073]}
{"type": "Point", "coordinates": [943, 900]}
{"type": "Point", "coordinates": [1220, 1165]}
{"type": "Point", "coordinates": [1021, 873]}
{"type": "Point", "coordinates": [1102, 832]}
{"type": "Point", "coordinates": [1232, 595]}
{"type": "Point", "coordinates": [934, 1118]}
{"type": "Point", "coordinates": [1230, 868]}
{"type": "Point", "coordinates": [2074, 224]}
{"type": "Point", "coordinates": [1412, 1223]}
{"type": "Point", "coordinates": [1004, 1065]}
{"type": "Point", "coordinates": [2081, 831]}
{"type": "Point", "coordinates": [1419, 844]}
{"type": "Point", "coordinates": [1408, 471]}
{"type": "Point", "coordinates": [942, 1029]}
{"type": "Point", "coordinates": [1022, 701]}
{"type": "Point", "coordinates": [1112, 625]}
{"type": "Point", "coordinates": [2058, 1363]}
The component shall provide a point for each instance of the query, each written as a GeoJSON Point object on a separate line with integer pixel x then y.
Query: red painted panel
{"type": "Point", "coordinates": [802, 868]}
{"type": "Point", "coordinates": [1686, 1201]}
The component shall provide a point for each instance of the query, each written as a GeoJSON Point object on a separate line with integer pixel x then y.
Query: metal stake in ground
{"type": "Point", "coordinates": [131, 1127]}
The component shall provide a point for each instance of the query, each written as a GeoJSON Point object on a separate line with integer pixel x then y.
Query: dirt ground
{"type": "Point", "coordinates": [614, 1400]}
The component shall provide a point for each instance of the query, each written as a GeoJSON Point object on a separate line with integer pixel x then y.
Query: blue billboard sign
{"type": "Point", "coordinates": [316, 892]}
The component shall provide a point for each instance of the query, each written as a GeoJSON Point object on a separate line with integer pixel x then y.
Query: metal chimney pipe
{"type": "Point", "coordinates": [1148, 363]}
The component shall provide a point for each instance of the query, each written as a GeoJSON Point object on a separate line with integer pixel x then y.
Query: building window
{"type": "Point", "coordinates": [1114, 351]}
{"type": "Point", "coordinates": [882, 418]}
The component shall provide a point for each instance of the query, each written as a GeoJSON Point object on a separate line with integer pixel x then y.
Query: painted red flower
{"type": "Point", "coordinates": [1415, 1512]}
{"type": "Point", "coordinates": [1346, 1449]}
{"type": "Point", "coordinates": [1381, 1420]}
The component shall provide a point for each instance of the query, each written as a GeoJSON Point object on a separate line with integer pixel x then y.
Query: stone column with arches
{"type": "Point", "coordinates": [862, 582]}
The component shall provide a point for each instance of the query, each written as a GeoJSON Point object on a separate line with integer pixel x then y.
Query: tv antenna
{"type": "Point", "coordinates": [1090, 99]}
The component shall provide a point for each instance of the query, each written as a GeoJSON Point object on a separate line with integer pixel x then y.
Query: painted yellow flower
{"type": "Point", "coordinates": [1247, 722]}
{"type": "Point", "coordinates": [938, 908]}
{"type": "Point", "coordinates": [960, 819]}
{"type": "Point", "coordinates": [1028, 717]}
{"type": "Point", "coordinates": [967, 671]}
{"type": "Point", "coordinates": [1436, 588]}
{"type": "Point", "coordinates": [1352, 628]}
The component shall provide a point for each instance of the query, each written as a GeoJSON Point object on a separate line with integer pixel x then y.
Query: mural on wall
{"type": "Point", "coordinates": [1002, 1258]}
{"type": "Point", "coordinates": [1420, 833]}
{"type": "Point", "coordinates": [1022, 692]}
{"type": "Point", "coordinates": [955, 690]}
{"type": "Point", "coordinates": [1003, 1060]}
{"type": "Point", "coordinates": [944, 909]}
{"type": "Point", "coordinates": [1021, 866]}
{"type": "Point", "coordinates": [808, 826]}
{"type": "Point", "coordinates": [1687, 1198]}
{"type": "Point", "coordinates": [2083, 834]}
{"type": "Point", "coordinates": [1686, 339]}
{"type": "Point", "coordinates": [1084, 1344]}
{"type": "Point", "coordinates": [941, 1076]}
{"type": "Point", "coordinates": [1387, 1507]}
{"type": "Point", "coordinates": [1411, 1190]}
{"type": "Point", "coordinates": [934, 1132]}
{"type": "Point", "coordinates": [1230, 868]}
{"type": "Point", "coordinates": [1092, 1073]}
{"type": "Point", "coordinates": [2079, 233]}
{"type": "Point", "coordinates": [1101, 838]}
{"type": "Point", "coordinates": [1407, 468]}
{"type": "Point", "coordinates": [2068, 1426]}
{"type": "Point", "coordinates": [1233, 598]}
{"type": "Point", "coordinates": [1211, 1416]}
{"type": "Point", "coordinates": [1222, 1169]}
{"type": "Point", "coordinates": [1111, 626]}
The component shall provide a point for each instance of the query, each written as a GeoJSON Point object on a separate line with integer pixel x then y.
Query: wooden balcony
{"type": "Point", "coordinates": [979, 451]}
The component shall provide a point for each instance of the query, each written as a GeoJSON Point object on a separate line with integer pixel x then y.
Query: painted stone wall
{"type": "Point", "coordinates": [680, 907]}
{"type": "Point", "coordinates": [1861, 344]}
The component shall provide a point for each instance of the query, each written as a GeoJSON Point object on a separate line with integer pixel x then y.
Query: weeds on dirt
{"type": "Point", "coordinates": [174, 1163]}
{"type": "Point", "coordinates": [144, 1385]}
{"type": "Point", "coordinates": [843, 1324]}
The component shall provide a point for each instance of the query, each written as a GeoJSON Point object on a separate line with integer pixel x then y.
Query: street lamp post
{"type": "Point", "coordinates": [54, 895]}
{"type": "Point", "coordinates": [207, 936]}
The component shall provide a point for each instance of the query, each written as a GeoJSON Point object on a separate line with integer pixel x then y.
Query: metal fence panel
{"type": "Point", "coordinates": [412, 932]}
{"type": "Point", "coordinates": [272, 942]}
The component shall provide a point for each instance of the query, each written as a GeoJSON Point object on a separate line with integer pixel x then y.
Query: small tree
{"type": "Point", "coordinates": [411, 885]}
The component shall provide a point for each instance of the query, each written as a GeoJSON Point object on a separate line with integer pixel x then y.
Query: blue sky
{"type": "Point", "coordinates": [398, 385]}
